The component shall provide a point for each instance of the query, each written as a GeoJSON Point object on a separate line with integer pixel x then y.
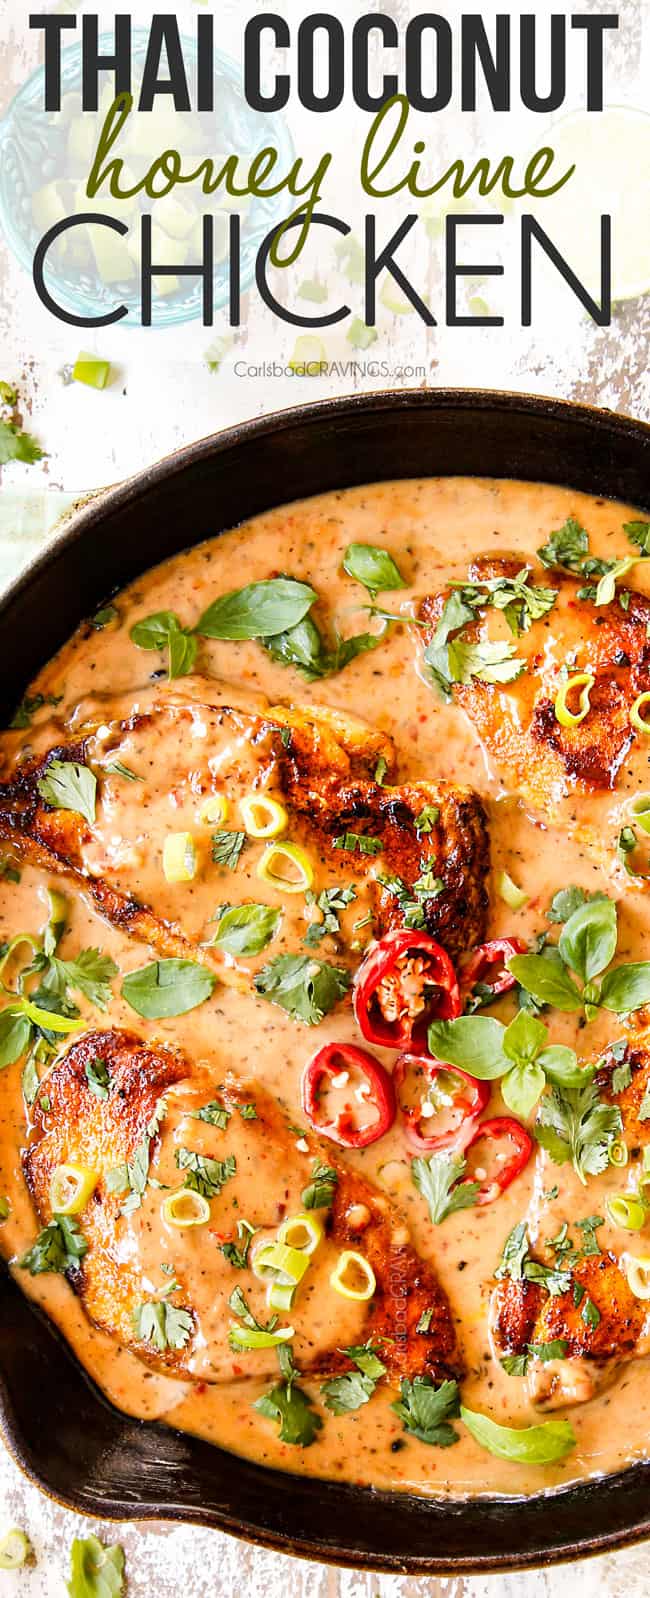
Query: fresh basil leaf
{"type": "Point", "coordinates": [15, 1035]}
{"type": "Point", "coordinates": [96, 1571]}
{"type": "Point", "coordinates": [303, 986]}
{"type": "Point", "coordinates": [473, 1042]}
{"type": "Point", "coordinates": [152, 632]}
{"type": "Point", "coordinates": [161, 1324]}
{"type": "Point", "coordinates": [438, 1180]}
{"type": "Point", "coordinates": [626, 988]}
{"type": "Point", "coordinates": [67, 785]}
{"type": "Point", "coordinates": [374, 568]}
{"type": "Point", "coordinates": [183, 649]}
{"type": "Point", "coordinates": [300, 646]}
{"type": "Point", "coordinates": [547, 979]}
{"type": "Point", "coordinates": [427, 1410]}
{"type": "Point", "coordinates": [521, 1088]}
{"type": "Point", "coordinates": [260, 610]}
{"type": "Point", "coordinates": [246, 929]}
{"type": "Point", "coordinates": [561, 1067]}
{"type": "Point", "coordinates": [524, 1038]}
{"type": "Point", "coordinates": [528, 1445]}
{"type": "Point", "coordinates": [566, 900]}
{"type": "Point", "coordinates": [167, 987]}
{"type": "Point", "coordinates": [588, 939]}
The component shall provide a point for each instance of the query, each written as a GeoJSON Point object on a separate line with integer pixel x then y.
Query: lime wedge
{"type": "Point", "coordinates": [611, 153]}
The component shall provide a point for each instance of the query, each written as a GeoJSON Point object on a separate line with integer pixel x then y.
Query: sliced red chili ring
{"type": "Point", "coordinates": [465, 1104]}
{"type": "Point", "coordinates": [337, 1060]}
{"type": "Point", "coordinates": [494, 1184]}
{"type": "Point", "coordinates": [488, 957]}
{"type": "Point", "coordinates": [405, 982]}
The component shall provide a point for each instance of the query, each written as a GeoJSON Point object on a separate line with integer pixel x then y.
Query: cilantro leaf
{"type": "Point", "coordinates": [345, 1393]}
{"type": "Point", "coordinates": [91, 973]}
{"type": "Point", "coordinates": [427, 1410]}
{"type": "Point", "coordinates": [303, 986]}
{"type": "Point", "coordinates": [68, 785]}
{"type": "Point", "coordinates": [160, 1323]}
{"type": "Point", "coordinates": [97, 1077]}
{"type": "Point", "coordinates": [59, 1247]}
{"type": "Point", "coordinates": [227, 848]}
{"type": "Point", "coordinates": [330, 902]}
{"type": "Point", "coordinates": [575, 1124]}
{"type": "Point", "coordinates": [566, 547]}
{"type": "Point", "coordinates": [319, 1195]}
{"type": "Point", "coordinates": [290, 1405]}
{"type": "Point", "coordinates": [15, 445]}
{"type": "Point", "coordinates": [204, 1175]}
{"type": "Point", "coordinates": [438, 1180]}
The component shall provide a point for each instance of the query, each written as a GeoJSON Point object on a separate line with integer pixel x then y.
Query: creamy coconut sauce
{"type": "Point", "coordinates": [433, 529]}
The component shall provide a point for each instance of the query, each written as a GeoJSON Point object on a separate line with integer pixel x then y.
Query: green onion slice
{"type": "Point", "coordinates": [626, 1210]}
{"type": "Point", "coordinates": [572, 718]}
{"type": "Point", "coordinates": [637, 720]}
{"type": "Point", "coordinates": [514, 897]}
{"type": "Point", "coordinates": [278, 1261]}
{"type": "Point", "coordinates": [256, 1337]}
{"type": "Point", "coordinates": [618, 1154]}
{"type": "Point", "coordinates": [15, 1550]}
{"type": "Point", "coordinates": [641, 811]}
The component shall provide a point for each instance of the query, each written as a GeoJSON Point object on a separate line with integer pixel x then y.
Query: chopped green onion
{"type": "Point", "coordinates": [15, 1550]}
{"type": "Point", "coordinates": [641, 811]}
{"type": "Point", "coordinates": [303, 1231]}
{"type": "Point", "coordinates": [627, 1211]}
{"type": "Point", "coordinates": [636, 718]}
{"type": "Point", "coordinates": [570, 718]}
{"type": "Point", "coordinates": [280, 1262]}
{"type": "Point", "coordinates": [281, 1295]}
{"type": "Point", "coordinates": [89, 369]}
{"type": "Point", "coordinates": [638, 1274]}
{"type": "Point", "coordinates": [514, 897]}
{"type": "Point", "coordinates": [618, 1153]}
{"type": "Point", "coordinates": [258, 1337]}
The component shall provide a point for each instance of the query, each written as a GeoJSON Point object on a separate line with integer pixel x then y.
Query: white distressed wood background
{"type": "Point", "coordinates": [164, 395]}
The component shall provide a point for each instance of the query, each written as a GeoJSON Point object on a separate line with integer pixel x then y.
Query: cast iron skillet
{"type": "Point", "coordinates": [62, 1432]}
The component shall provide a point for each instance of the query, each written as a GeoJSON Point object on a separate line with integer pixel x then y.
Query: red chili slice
{"type": "Point", "coordinates": [466, 1104]}
{"type": "Point", "coordinates": [394, 977]}
{"type": "Point", "coordinates": [487, 956]}
{"type": "Point", "coordinates": [503, 1126]}
{"type": "Point", "coordinates": [330, 1061]}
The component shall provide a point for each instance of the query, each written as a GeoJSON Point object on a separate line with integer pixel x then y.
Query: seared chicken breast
{"type": "Point", "coordinates": [528, 747]}
{"type": "Point", "coordinates": [166, 763]}
{"type": "Point", "coordinates": [155, 1133]}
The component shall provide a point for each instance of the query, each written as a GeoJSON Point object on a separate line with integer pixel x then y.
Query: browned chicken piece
{"type": "Point", "coordinates": [185, 747]}
{"type": "Point", "coordinates": [633, 1063]}
{"type": "Point", "coordinates": [516, 723]}
{"type": "Point", "coordinates": [155, 1132]}
{"type": "Point", "coordinates": [613, 1329]}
